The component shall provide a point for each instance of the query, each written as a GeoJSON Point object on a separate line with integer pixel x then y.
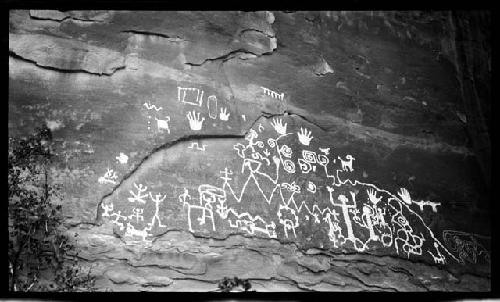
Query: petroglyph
{"type": "Point", "coordinates": [273, 94]}
{"type": "Point", "coordinates": [197, 146]}
{"type": "Point", "coordinates": [363, 218]}
{"type": "Point", "coordinates": [138, 197]}
{"type": "Point", "coordinates": [305, 137]}
{"type": "Point", "coordinates": [122, 159]}
{"type": "Point", "coordinates": [356, 215]}
{"type": "Point", "coordinates": [224, 115]}
{"type": "Point", "coordinates": [212, 107]}
{"type": "Point", "coordinates": [190, 96]}
{"type": "Point", "coordinates": [195, 123]}
{"type": "Point", "coordinates": [325, 151]}
{"type": "Point", "coordinates": [422, 203]}
{"type": "Point", "coordinates": [163, 124]}
{"type": "Point", "coordinates": [109, 177]}
{"type": "Point", "coordinates": [149, 107]}
{"type": "Point", "coordinates": [466, 246]}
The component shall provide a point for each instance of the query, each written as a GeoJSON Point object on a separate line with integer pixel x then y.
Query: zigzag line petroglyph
{"type": "Point", "coordinates": [149, 107]}
{"type": "Point", "coordinates": [356, 213]}
{"type": "Point", "coordinates": [401, 235]}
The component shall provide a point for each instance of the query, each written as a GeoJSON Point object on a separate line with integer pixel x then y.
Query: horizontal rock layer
{"type": "Point", "coordinates": [309, 151]}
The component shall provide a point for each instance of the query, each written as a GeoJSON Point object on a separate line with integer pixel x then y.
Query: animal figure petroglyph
{"type": "Point", "coordinates": [163, 124]}
{"type": "Point", "coordinates": [131, 231]}
{"type": "Point", "coordinates": [326, 151]}
{"type": "Point", "coordinates": [119, 216]}
{"type": "Point", "coordinates": [347, 164]}
{"type": "Point", "coordinates": [353, 219]}
{"type": "Point", "coordinates": [109, 177]}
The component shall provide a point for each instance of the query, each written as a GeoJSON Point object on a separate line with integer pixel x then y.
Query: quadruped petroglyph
{"type": "Point", "coordinates": [301, 190]}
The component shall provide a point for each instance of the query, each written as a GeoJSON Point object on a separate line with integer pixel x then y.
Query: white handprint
{"type": "Point", "coordinates": [305, 136]}
{"type": "Point", "coordinates": [224, 115]}
{"type": "Point", "coordinates": [278, 126]}
{"type": "Point", "coordinates": [194, 120]}
{"type": "Point", "coordinates": [405, 195]}
{"type": "Point", "coordinates": [372, 195]}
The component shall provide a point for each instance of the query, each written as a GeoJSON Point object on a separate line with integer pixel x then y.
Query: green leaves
{"type": "Point", "coordinates": [227, 284]}
{"type": "Point", "coordinates": [36, 241]}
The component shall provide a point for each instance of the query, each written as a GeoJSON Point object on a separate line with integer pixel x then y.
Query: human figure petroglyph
{"type": "Point", "coordinates": [195, 123]}
{"type": "Point", "coordinates": [138, 197]}
{"type": "Point", "coordinates": [347, 164]}
{"type": "Point", "coordinates": [118, 215]}
{"type": "Point", "coordinates": [374, 220]}
{"type": "Point", "coordinates": [194, 96]}
{"type": "Point", "coordinates": [137, 214]}
{"type": "Point", "coordinates": [107, 209]}
{"type": "Point", "coordinates": [157, 200]}
{"type": "Point", "coordinates": [289, 223]}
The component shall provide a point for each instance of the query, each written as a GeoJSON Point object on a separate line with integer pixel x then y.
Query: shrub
{"type": "Point", "coordinates": [39, 250]}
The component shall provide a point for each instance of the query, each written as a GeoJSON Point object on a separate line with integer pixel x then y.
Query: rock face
{"type": "Point", "coordinates": [319, 151]}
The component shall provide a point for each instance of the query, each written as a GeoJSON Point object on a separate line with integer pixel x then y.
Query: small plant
{"type": "Point", "coordinates": [38, 247]}
{"type": "Point", "coordinates": [227, 284]}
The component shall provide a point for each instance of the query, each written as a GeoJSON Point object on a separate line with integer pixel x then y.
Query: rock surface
{"type": "Point", "coordinates": [303, 151]}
